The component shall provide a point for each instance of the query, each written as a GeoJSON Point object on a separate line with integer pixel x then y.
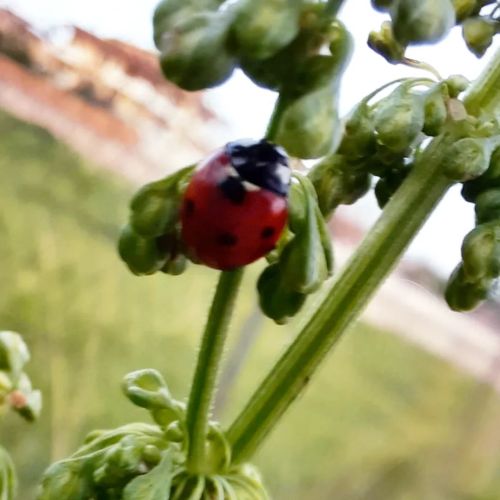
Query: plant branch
{"type": "Point", "coordinates": [484, 96]}
{"type": "Point", "coordinates": [374, 259]}
{"type": "Point", "coordinates": [274, 121]}
{"type": "Point", "coordinates": [400, 221]}
{"type": "Point", "coordinates": [207, 368]}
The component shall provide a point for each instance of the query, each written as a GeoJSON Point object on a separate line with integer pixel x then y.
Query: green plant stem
{"type": "Point", "coordinates": [485, 97]}
{"type": "Point", "coordinates": [274, 121]}
{"type": "Point", "coordinates": [207, 368]}
{"type": "Point", "coordinates": [374, 259]}
{"type": "Point", "coordinates": [400, 221]}
{"type": "Point", "coordinates": [332, 7]}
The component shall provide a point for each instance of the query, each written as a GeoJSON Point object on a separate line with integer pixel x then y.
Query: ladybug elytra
{"type": "Point", "coordinates": [235, 206]}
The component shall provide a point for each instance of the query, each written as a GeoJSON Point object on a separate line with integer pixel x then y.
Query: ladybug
{"type": "Point", "coordinates": [235, 206]}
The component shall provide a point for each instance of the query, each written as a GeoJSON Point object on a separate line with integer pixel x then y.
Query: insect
{"type": "Point", "coordinates": [235, 206]}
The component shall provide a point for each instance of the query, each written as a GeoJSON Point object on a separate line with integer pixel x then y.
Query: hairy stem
{"type": "Point", "coordinates": [207, 368]}
{"type": "Point", "coordinates": [374, 259]}
{"type": "Point", "coordinates": [400, 221]}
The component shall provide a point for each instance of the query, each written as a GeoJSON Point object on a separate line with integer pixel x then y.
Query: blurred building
{"type": "Point", "coordinates": [105, 98]}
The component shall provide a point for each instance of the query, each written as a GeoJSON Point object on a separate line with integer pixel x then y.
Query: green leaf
{"type": "Point", "coordinates": [303, 262]}
{"type": "Point", "coordinates": [155, 485]}
{"type": "Point", "coordinates": [65, 480]}
{"type": "Point", "coordinates": [275, 300]}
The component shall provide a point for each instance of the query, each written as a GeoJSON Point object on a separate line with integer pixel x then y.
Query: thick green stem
{"type": "Point", "coordinates": [207, 368]}
{"type": "Point", "coordinates": [374, 259]}
{"type": "Point", "coordinates": [485, 95]}
{"type": "Point", "coordinates": [399, 223]}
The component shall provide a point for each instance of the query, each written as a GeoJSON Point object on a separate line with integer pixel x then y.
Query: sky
{"type": "Point", "coordinates": [247, 108]}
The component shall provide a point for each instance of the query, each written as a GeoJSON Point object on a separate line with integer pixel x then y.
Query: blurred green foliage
{"type": "Point", "coordinates": [382, 420]}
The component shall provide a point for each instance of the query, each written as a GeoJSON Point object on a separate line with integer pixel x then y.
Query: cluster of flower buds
{"type": "Point", "coordinates": [303, 259]}
{"type": "Point", "coordinates": [477, 161]}
{"type": "Point", "coordinates": [16, 394]}
{"type": "Point", "coordinates": [382, 139]}
{"type": "Point", "coordinates": [428, 21]}
{"type": "Point", "coordinates": [148, 461]}
{"type": "Point", "coordinates": [292, 47]}
{"type": "Point", "coordinates": [150, 242]}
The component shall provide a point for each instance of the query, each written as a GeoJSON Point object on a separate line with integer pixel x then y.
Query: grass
{"type": "Point", "coordinates": [382, 420]}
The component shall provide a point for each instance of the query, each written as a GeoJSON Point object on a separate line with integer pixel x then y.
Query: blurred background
{"type": "Point", "coordinates": [408, 407]}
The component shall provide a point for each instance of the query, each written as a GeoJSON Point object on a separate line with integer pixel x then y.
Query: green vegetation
{"type": "Point", "coordinates": [383, 420]}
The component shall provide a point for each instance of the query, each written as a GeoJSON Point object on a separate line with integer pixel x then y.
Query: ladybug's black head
{"type": "Point", "coordinates": [262, 164]}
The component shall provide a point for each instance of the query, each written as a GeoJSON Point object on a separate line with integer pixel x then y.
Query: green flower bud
{"type": "Point", "coordinates": [28, 405]}
{"type": "Point", "coordinates": [488, 206]}
{"type": "Point", "coordinates": [141, 255]}
{"type": "Point", "coordinates": [151, 454]}
{"type": "Point", "coordinates": [174, 432]}
{"type": "Point", "coordinates": [263, 27]}
{"type": "Point", "coordinates": [382, 5]}
{"type": "Point", "coordinates": [6, 384]}
{"type": "Point", "coordinates": [358, 140]}
{"type": "Point", "coordinates": [490, 179]}
{"type": "Point", "coordinates": [478, 34]}
{"type": "Point", "coordinates": [456, 85]}
{"type": "Point", "coordinates": [155, 207]}
{"type": "Point", "coordinates": [303, 65]}
{"type": "Point", "coordinates": [14, 354]}
{"type": "Point", "coordinates": [337, 181]}
{"type": "Point", "coordinates": [463, 295]}
{"type": "Point", "coordinates": [175, 265]}
{"type": "Point", "coordinates": [463, 9]}
{"type": "Point", "coordinates": [194, 55]}
{"type": "Point", "coordinates": [435, 109]}
{"type": "Point", "coordinates": [383, 43]}
{"type": "Point", "coordinates": [147, 389]}
{"type": "Point", "coordinates": [468, 158]}
{"type": "Point", "coordinates": [481, 252]}
{"type": "Point", "coordinates": [167, 14]}
{"type": "Point", "coordinates": [425, 21]}
{"type": "Point", "coordinates": [399, 118]}
{"type": "Point", "coordinates": [277, 302]}
{"type": "Point", "coordinates": [308, 124]}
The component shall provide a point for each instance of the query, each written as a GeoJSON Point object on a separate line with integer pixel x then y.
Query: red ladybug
{"type": "Point", "coordinates": [235, 206]}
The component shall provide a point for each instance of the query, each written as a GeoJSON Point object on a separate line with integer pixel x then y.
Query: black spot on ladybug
{"type": "Point", "coordinates": [233, 190]}
{"type": "Point", "coordinates": [267, 232]}
{"type": "Point", "coordinates": [227, 239]}
{"type": "Point", "coordinates": [189, 207]}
